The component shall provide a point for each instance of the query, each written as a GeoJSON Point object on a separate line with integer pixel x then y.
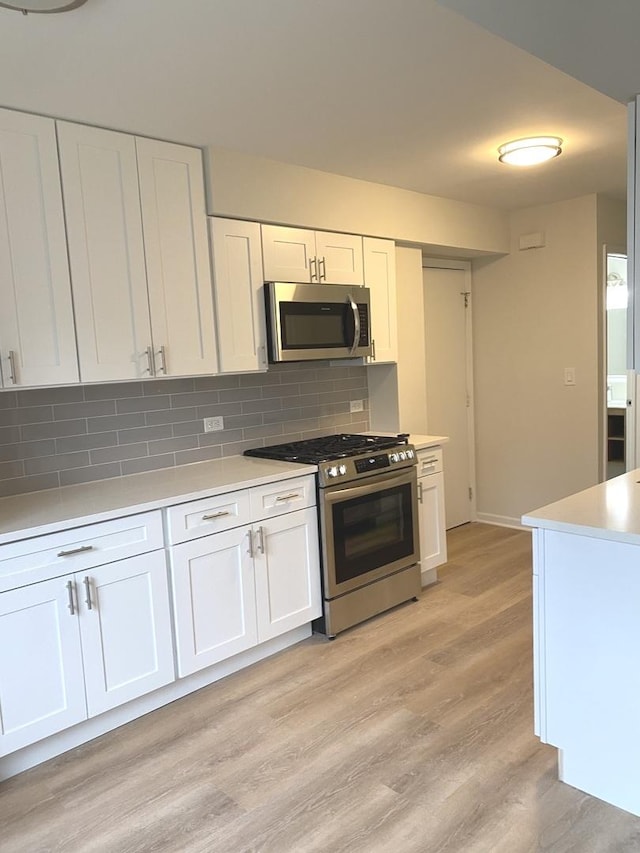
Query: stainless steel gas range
{"type": "Point", "coordinates": [368, 517]}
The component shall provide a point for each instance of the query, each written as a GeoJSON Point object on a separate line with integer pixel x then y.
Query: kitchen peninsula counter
{"type": "Point", "coordinates": [586, 600]}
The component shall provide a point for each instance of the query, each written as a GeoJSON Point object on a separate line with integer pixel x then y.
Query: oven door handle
{"type": "Point", "coordinates": [385, 481]}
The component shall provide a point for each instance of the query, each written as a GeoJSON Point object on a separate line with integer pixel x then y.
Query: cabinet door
{"type": "Point", "coordinates": [287, 573]}
{"type": "Point", "coordinates": [339, 258]}
{"type": "Point", "coordinates": [214, 598]}
{"type": "Point", "coordinates": [126, 630]}
{"type": "Point", "coordinates": [177, 258]}
{"type": "Point", "coordinates": [380, 278]}
{"type": "Point", "coordinates": [433, 536]}
{"type": "Point", "coordinates": [238, 278]}
{"type": "Point", "coordinates": [41, 679]}
{"type": "Point", "coordinates": [289, 254]}
{"type": "Point", "coordinates": [36, 320]}
{"type": "Point", "coordinates": [104, 230]}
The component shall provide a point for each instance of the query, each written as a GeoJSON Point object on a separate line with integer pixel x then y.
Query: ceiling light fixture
{"type": "Point", "coordinates": [530, 151]}
{"type": "Point", "coordinates": [26, 6]}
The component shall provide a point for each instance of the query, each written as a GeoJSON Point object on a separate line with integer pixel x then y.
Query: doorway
{"type": "Point", "coordinates": [617, 426]}
{"type": "Point", "coordinates": [447, 309]}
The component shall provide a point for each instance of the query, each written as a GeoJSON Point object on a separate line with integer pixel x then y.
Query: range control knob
{"type": "Point", "coordinates": [410, 454]}
{"type": "Point", "coordinates": [332, 472]}
{"type": "Point", "coordinates": [342, 469]}
{"type": "Point", "coordinates": [394, 457]}
{"type": "Point", "coordinates": [403, 455]}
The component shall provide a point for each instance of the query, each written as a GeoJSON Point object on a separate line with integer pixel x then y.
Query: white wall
{"type": "Point", "coordinates": [246, 187]}
{"type": "Point", "coordinates": [535, 313]}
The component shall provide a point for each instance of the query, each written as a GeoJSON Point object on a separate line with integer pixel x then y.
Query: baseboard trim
{"type": "Point", "coordinates": [500, 520]}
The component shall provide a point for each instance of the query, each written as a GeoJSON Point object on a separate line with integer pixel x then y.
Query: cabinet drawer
{"type": "Point", "coordinates": [429, 461]}
{"type": "Point", "coordinates": [80, 548]}
{"type": "Point", "coordinates": [284, 496]}
{"type": "Point", "coordinates": [208, 515]}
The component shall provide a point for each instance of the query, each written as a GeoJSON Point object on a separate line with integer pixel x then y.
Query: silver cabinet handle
{"type": "Point", "coordinates": [13, 376]}
{"type": "Point", "coordinates": [288, 497]}
{"type": "Point", "coordinates": [87, 586]}
{"type": "Point", "coordinates": [80, 550]}
{"type": "Point", "coordinates": [373, 349]}
{"type": "Point", "coordinates": [322, 269]}
{"type": "Point", "coordinates": [261, 539]}
{"type": "Point", "coordinates": [70, 594]}
{"type": "Point", "coordinates": [250, 544]}
{"type": "Point", "coordinates": [209, 515]}
{"type": "Point", "coordinates": [313, 268]}
{"type": "Point", "coordinates": [151, 369]}
{"type": "Point", "coordinates": [163, 360]}
{"type": "Point", "coordinates": [356, 324]}
{"type": "Point", "coordinates": [419, 492]}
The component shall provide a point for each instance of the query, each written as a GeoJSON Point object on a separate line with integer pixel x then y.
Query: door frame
{"type": "Point", "coordinates": [465, 267]}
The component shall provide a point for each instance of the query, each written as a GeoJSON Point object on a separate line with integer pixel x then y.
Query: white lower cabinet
{"type": "Point", "coordinates": [244, 586]}
{"type": "Point", "coordinates": [433, 534]}
{"type": "Point", "coordinates": [41, 675]}
{"type": "Point", "coordinates": [82, 643]}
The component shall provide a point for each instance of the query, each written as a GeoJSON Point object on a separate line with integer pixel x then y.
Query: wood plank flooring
{"type": "Point", "coordinates": [412, 733]}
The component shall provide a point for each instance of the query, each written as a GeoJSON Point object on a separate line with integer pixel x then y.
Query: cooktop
{"type": "Point", "coordinates": [327, 447]}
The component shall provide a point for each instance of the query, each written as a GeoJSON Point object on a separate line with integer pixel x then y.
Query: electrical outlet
{"type": "Point", "coordinates": [213, 424]}
{"type": "Point", "coordinates": [356, 406]}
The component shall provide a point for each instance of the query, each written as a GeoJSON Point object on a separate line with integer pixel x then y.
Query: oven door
{"type": "Point", "coordinates": [369, 530]}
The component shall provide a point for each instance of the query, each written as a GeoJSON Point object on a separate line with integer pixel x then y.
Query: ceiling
{"type": "Point", "coordinates": [406, 93]}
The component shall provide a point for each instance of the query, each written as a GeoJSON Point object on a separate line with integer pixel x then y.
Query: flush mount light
{"type": "Point", "coordinates": [26, 6]}
{"type": "Point", "coordinates": [529, 152]}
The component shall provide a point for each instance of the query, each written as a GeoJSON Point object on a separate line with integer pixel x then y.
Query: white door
{"type": "Point", "coordinates": [37, 339]}
{"type": "Point", "coordinates": [287, 572]}
{"type": "Point", "coordinates": [106, 252]}
{"type": "Point", "coordinates": [380, 278]}
{"type": "Point", "coordinates": [41, 678]}
{"type": "Point", "coordinates": [214, 598]}
{"type": "Point", "coordinates": [125, 625]}
{"type": "Point", "coordinates": [289, 254]}
{"type": "Point", "coordinates": [339, 258]}
{"type": "Point", "coordinates": [448, 383]}
{"type": "Point", "coordinates": [238, 285]}
{"type": "Point", "coordinates": [177, 258]}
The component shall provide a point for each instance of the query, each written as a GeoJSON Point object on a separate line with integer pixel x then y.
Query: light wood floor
{"type": "Point", "coordinates": [413, 732]}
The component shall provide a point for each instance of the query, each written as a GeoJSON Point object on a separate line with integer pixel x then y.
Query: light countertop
{"type": "Point", "coordinates": [610, 510]}
{"type": "Point", "coordinates": [48, 511]}
{"type": "Point", "coordinates": [420, 442]}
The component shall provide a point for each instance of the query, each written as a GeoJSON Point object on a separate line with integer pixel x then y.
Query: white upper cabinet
{"type": "Point", "coordinates": [380, 278]}
{"type": "Point", "coordinates": [238, 279]}
{"type": "Point", "coordinates": [177, 257]}
{"type": "Point", "coordinates": [139, 255]}
{"type": "Point", "coordinates": [294, 254]}
{"type": "Point", "coordinates": [37, 341]}
{"type": "Point", "coordinates": [104, 230]}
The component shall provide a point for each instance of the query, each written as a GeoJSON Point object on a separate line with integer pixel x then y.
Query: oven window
{"type": "Point", "coordinates": [372, 531]}
{"type": "Point", "coordinates": [315, 325]}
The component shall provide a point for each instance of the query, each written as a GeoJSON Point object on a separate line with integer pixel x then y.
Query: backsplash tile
{"type": "Point", "coordinates": [53, 437]}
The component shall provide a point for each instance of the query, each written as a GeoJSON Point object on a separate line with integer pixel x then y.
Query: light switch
{"type": "Point", "coordinates": [569, 376]}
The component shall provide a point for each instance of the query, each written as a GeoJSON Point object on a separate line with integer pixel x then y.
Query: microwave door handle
{"type": "Point", "coordinates": [356, 325]}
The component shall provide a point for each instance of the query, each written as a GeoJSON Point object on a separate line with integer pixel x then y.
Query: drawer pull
{"type": "Point", "coordinates": [208, 516]}
{"type": "Point", "coordinates": [429, 460]}
{"type": "Point", "coordinates": [70, 594]}
{"type": "Point", "coordinates": [261, 539]}
{"type": "Point", "coordinates": [288, 497]}
{"type": "Point", "coordinates": [80, 550]}
{"type": "Point", "coordinates": [87, 586]}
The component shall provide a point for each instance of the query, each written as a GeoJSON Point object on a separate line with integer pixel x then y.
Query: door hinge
{"type": "Point", "coordinates": [470, 493]}
{"type": "Point", "coordinates": [466, 294]}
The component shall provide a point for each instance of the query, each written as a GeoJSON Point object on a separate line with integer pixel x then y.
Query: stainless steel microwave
{"type": "Point", "coordinates": [317, 321]}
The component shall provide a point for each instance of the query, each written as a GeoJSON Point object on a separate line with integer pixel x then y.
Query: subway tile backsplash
{"type": "Point", "coordinates": [52, 437]}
